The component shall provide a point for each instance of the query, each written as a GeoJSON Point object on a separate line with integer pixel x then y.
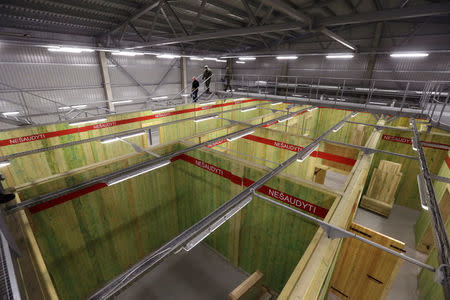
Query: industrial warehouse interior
{"type": "Point", "coordinates": [225, 149]}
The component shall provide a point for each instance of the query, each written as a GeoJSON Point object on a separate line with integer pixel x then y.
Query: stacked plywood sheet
{"type": "Point", "coordinates": [383, 185]}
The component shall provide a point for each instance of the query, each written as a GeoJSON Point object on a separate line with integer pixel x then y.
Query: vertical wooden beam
{"type": "Point", "coordinates": [106, 80]}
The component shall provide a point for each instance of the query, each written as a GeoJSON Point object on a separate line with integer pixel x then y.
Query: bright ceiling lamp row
{"type": "Point", "coordinates": [339, 56]}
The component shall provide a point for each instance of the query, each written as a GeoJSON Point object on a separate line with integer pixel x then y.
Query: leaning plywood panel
{"type": "Point", "coordinates": [400, 142]}
{"type": "Point", "coordinates": [363, 271]}
{"type": "Point", "coordinates": [383, 185]}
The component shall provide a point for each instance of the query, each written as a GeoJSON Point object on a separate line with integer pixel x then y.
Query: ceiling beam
{"type": "Point", "coordinates": [388, 15]}
{"type": "Point", "coordinates": [288, 10]}
{"type": "Point", "coordinates": [225, 34]}
{"type": "Point", "coordinates": [338, 39]}
{"type": "Point", "coordinates": [135, 16]}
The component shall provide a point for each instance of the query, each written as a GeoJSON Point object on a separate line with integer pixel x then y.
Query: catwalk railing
{"type": "Point", "coordinates": [430, 97]}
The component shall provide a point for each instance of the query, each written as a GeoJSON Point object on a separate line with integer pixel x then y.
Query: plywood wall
{"type": "Point", "coordinates": [89, 240]}
{"type": "Point", "coordinates": [41, 165]}
{"type": "Point", "coordinates": [261, 237]}
{"type": "Point", "coordinates": [407, 192]}
{"type": "Point", "coordinates": [423, 230]}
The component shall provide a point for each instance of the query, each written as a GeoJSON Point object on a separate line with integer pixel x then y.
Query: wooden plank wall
{"type": "Point", "coordinates": [262, 237]}
{"type": "Point", "coordinates": [408, 193]}
{"type": "Point", "coordinates": [423, 230]}
{"type": "Point", "coordinates": [87, 241]}
{"type": "Point", "coordinates": [45, 164]}
{"type": "Point", "coordinates": [312, 274]}
{"type": "Point", "coordinates": [428, 288]}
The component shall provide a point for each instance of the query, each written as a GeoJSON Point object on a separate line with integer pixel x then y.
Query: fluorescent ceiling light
{"type": "Point", "coordinates": [409, 54]}
{"type": "Point", "coordinates": [168, 56]}
{"type": "Point", "coordinates": [137, 173]}
{"type": "Point", "coordinates": [205, 119]}
{"type": "Point", "coordinates": [197, 58]}
{"type": "Point", "coordinates": [312, 108]}
{"type": "Point", "coordinates": [64, 108]}
{"type": "Point", "coordinates": [160, 98]}
{"type": "Point", "coordinates": [276, 103]}
{"type": "Point", "coordinates": [79, 106]}
{"type": "Point", "coordinates": [339, 127]}
{"type": "Point", "coordinates": [248, 109]}
{"type": "Point", "coordinates": [185, 95]}
{"type": "Point", "coordinates": [308, 153]}
{"type": "Point", "coordinates": [378, 103]}
{"type": "Point", "coordinates": [210, 229]}
{"type": "Point", "coordinates": [87, 121]}
{"type": "Point", "coordinates": [296, 95]}
{"type": "Point", "coordinates": [122, 102]}
{"type": "Point", "coordinates": [208, 103]}
{"type": "Point", "coordinates": [239, 99]}
{"type": "Point", "coordinates": [4, 163]}
{"type": "Point", "coordinates": [239, 136]}
{"type": "Point", "coordinates": [221, 60]}
{"type": "Point", "coordinates": [118, 138]}
{"type": "Point", "coordinates": [209, 58]}
{"type": "Point", "coordinates": [414, 143]}
{"type": "Point", "coordinates": [340, 56]}
{"type": "Point", "coordinates": [422, 191]}
{"type": "Point", "coordinates": [247, 58]}
{"type": "Point", "coordinates": [287, 57]}
{"type": "Point", "coordinates": [240, 62]}
{"type": "Point", "coordinates": [163, 110]}
{"type": "Point", "coordinates": [11, 113]}
{"type": "Point", "coordinates": [69, 49]}
{"type": "Point", "coordinates": [285, 119]}
{"type": "Point", "coordinates": [126, 53]}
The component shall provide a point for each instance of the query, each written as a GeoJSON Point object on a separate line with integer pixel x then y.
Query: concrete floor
{"type": "Point", "coordinates": [200, 274]}
{"type": "Point", "coordinates": [400, 226]}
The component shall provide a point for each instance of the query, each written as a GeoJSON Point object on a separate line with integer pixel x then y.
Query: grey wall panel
{"type": "Point", "coordinates": [75, 79]}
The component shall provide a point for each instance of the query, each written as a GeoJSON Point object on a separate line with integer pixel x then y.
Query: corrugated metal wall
{"type": "Point", "coordinates": [434, 67]}
{"type": "Point", "coordinates": [49, 80]}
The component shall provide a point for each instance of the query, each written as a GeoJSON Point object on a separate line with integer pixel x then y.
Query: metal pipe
{"type": "Point", "coordinates": [346, 234]}
{"type": "Point", "coordinates": [97, 138]}
{"type": "Point", "coordinates": [406, 112]}
{"type": "Point", "coordinates": [105, 178]}
{"type": "Point", "coordinates": [179, 241]}
{"type": "Point", "coordinates": [442, 242]}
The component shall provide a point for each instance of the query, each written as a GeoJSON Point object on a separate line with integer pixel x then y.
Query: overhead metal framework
{"type": "Point", "coordinates": [185, 24]}
{"type": "Point", "coordinates": [202, 229]}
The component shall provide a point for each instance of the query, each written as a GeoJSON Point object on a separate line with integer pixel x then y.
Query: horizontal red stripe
{"type": "Point", "coordinates": [42, 206]}
{"type": "Point", "coordinates": [211, 168]}
{"type": "Point", "coordinates": [405, 140]}
{"type": "Point", "coordinates": [295, 148]}
{"type": "Point", "coordinates": [46, 135]}
{"type": "Point", "coordinates": [289, 199]}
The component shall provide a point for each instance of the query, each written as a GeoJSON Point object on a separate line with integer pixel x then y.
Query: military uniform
{"type": "Point", "coordinates": [207, 75]}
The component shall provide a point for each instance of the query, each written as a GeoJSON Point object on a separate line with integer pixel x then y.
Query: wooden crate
{"type": "Point", "coordinates": [383, 185]}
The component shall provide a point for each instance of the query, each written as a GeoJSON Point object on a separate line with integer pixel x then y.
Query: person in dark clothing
{"type": "Point", "coordinates": [195, 85]}
{"type": "Point", "coordinates": [207, 75]}
{"type": "Point", "coordinates": [228, 76]}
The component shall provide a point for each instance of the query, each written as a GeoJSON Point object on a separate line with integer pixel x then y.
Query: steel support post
{"type": "Point", "coordinates": [106, 80]}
